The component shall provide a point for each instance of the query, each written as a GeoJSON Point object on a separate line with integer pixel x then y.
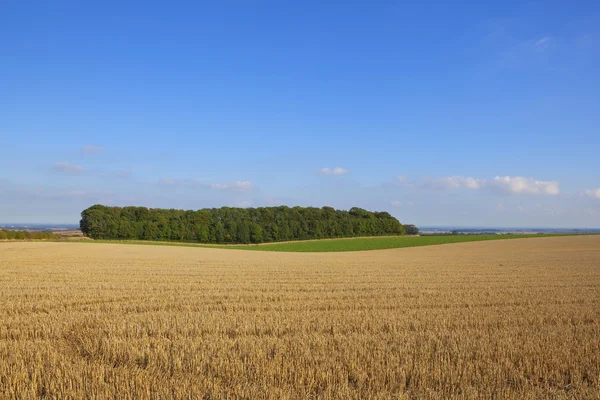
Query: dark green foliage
{"type": "Point", "coordinates": [235, 225]}
{"type": "Point", "coordinates": [411, 230]}
{"type": "Point", "coordinates": [26, 235]}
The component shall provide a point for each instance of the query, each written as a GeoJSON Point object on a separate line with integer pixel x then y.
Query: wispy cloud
{"type": "Point", "coordinates": [525, 54]}
{"type": "Point", "coordinates": [276, 201]}
{"type": "Point", "coordinates": [521, 185]}
{"type": "Point", "coordinates": [456, 182]}
{"type": "Point", "coordinates": [89, 149]}
{"type": "Point", "coordinates": [76, 194]}
{"type": "Point", "coordinates": [396, 203]}
{"type": "Point", "coordinates": [73, 194]}
{"type": "Point", "coordinates": [334, 171]}
{"type": "Point", "coordinates": [181, 182]}
{"type": "Point", "coordinates": [24, 192]}
{"type": "Point", "coordinates": [68, 168]}
{"type": "Point", "coordinates": [119, 174]}
{"type": "Point", "coordinates": [170, 181]}
{"type": "Point", "coordinates": [123, 173]}
{"type": "Point", "coordinates": [500, 184]}
{"type": "Point", "coordinates": [238, 186]}
{"type": "Point", "coordinates": [241, 186]}
{"type": "Point", "coordinates": [543, 41]}
{"type": "Point", "coordinates": [508, 48]}
{"type": "Point", "coordinates": [243, 203]}
{"type": "Point", "coordinates": [595, 193]}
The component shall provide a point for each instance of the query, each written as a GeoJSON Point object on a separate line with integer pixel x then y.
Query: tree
{"type": "Point", "coordinates": [204, 234]}
{"type": "Point", "coordinates": [256, 233]}
{"type": "Point", "coordinates": [126, 231]}
{"type": "Point", "coordinates": [235, 225]}
{"type": "Point", "coordinates": [219, 232]}
{"type": "Point", "coordinates": [411, 230]}
{"type": "Point", "coordinates": [243, 232]}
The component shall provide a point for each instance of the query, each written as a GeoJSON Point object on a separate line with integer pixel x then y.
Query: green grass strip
{"type": "Point", "coordinates": [345, 244]}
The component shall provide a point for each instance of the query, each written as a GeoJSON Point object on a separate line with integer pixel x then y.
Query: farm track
{"type": "Point", "coordinates": [497, 319]}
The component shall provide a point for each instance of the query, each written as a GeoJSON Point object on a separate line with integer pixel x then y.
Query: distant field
{"type": "Point", "coordinates": [345, 244]}
{"type": "Point", "coordinates": [516, 319]}
{"type": "Point", "coordinates": [377, 243]}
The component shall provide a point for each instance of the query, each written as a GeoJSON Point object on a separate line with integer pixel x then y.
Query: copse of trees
{"type": "Point", "coordinates": [26, 235]}
{"type": "Point", "coordinates": [235, 225]}
{"type": "Point", "coordinates": [411, 230]}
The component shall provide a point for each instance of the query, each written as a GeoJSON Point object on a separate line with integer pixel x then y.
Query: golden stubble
{"type": "Point", "coordinates": [503, 319]}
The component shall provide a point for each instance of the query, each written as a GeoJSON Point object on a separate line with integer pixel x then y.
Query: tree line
{"type": "Point", "coordinates": [26, 235]}
{"type": "Point", "coordinates": [235, 225]}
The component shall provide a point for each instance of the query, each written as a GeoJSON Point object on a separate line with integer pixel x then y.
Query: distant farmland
{"type": "Point", "coordinates": [495, 319]}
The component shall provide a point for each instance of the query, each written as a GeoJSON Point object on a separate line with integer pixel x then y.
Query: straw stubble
{"type": "Point", "coordinates": [506, 319]}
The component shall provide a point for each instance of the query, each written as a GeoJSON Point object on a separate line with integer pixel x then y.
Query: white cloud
{"type": "Point", "coordinates": [242, 186]}
{"type": "Point", "coordinates": [593, 193]}
{"type": "Point", "coordinates": [456, 182]}
{"type": "Point", "coordinates": [396, 203]}
{"type": "Point", "coordinates": [334, 171]}
{"type": "Point", "coordinates": [521, 185]}
{"type": "Point", "coordinates": [453, 182]}
{"type": "Point", "coordinates": [401, 178]}
{"type": "Point", "coordinates": [243, 203]}
{"type": "Point", "coordinates": [219, 186]}
{"type": "Point", "coordinates": [68, 168]}
{"type": "Point", "coordinates": [501, 184]}
{"type": "Point", "coordinates": [92, 149]}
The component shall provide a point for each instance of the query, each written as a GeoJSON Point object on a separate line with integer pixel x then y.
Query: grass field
{"type": "Point", "coordinates": [496, 319]}
{"type": "Point", "coordinates": [344, 244]}
{"type": "Point", "coordinates": [377, 243]}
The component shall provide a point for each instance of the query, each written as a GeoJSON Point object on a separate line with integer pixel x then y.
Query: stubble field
{"type": "Point", "coordinates": [500, 319]}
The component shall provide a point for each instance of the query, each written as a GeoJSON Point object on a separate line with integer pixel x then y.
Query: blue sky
{"type": "Point", "coordinates": [442, 113]}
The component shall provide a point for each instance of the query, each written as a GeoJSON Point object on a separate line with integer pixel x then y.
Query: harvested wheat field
{"type": "Point", "coordinates": [501, 319]}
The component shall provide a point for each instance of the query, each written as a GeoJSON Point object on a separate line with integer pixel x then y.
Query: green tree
{"type": "Point", "coordinates": [243, 232]}
{"type": "Point", "coordinates": [204, 234]}
{"type": "Point", "coordinates": [126, 230]}
{"type": "Point", "coordinates": [411, 230]}
{"type": "Point", "coordinates": [256, 233]}
{"type": "Point", "coordinates": [234, 225]}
